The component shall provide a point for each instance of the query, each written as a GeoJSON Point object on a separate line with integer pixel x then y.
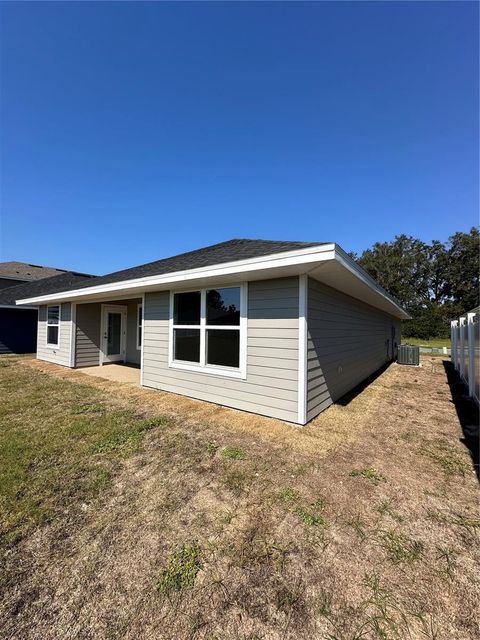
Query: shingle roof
{"type": "Point", "coordinates": [45, 286]}
{"type": "Point", "coordinates": [229, 251]}
{"type": "Point", "coordinates": [25, 271]}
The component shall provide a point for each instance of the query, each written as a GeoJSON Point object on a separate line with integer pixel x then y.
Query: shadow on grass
{"type": "Point", "coordinates": [467, 412]}
{"type": "Point", "coordinates": [353, 393]}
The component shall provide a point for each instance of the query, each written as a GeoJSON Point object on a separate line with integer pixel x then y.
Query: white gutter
{"type": "Point", "coordinates": [308, 257]}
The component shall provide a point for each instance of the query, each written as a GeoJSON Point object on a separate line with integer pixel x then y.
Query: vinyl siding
{"type": "Point", "coordinates": [133, 354]}
{"type": "Point", "coordinates": [347, 342]}
{"type": "Point", "coordinates": [87, 352]}
{"type": "Point", "coordinates": [60, 354]}
{"type": "Point", "coordinates": [271, 383]}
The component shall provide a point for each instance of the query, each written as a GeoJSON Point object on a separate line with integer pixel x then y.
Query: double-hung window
{"type": "Point", "coordinates": [53, 325]}
{"type": "Point", "coordinates": [208, 330]}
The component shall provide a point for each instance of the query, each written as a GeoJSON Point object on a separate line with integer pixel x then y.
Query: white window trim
{"type": "Point", "coordinates": [202, 367]}
{"type": "Point", "coordinates": [139, 326]}
{"type": "Point", "coordinates": [50, 344]}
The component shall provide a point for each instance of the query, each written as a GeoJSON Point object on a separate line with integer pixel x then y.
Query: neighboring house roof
{"type": "Point", "coordinates": [28, 272]}
{"type": "Point", "coordinates": [43, 287]}
{"type": "Point", "coordinates": [226, 262]}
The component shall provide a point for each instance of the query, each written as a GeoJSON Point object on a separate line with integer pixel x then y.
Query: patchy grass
{"type": "Point", "coordinates": [123, 517]}
{"type": "Point", "coordinates": [400, 548]}
{"type": "Point", "coordinates": [370, 473]}
{"type": "Point", "coordinates": [58, 448]}
{"type": "Point", "coordinates": [233, 453]}
{"type": "Point", "coordinates": [446, 456]}
{"type": "Point", "coordinates": [181, 570]}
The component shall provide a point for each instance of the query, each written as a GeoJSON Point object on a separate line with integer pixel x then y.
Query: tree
{"type": "Point", "coordinates": [435, 282]}
{"type": "Point", "coordinates": [462, 273]}
{"type": "Point", "coordinates": [401, 267]}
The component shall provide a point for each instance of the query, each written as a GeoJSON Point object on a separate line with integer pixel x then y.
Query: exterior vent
{"type": "Point", "coordinates": [408, 354]}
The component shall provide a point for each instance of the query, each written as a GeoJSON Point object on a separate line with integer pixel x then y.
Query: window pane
{"type": "Point", "coordinates": [52, 335]}
{"type": "Point", "coordinates": [187, 345]}
{"type": "Point", "coordinates": [223, 306]}
{"type": "Point", "coordinates": [186, 308]}
{"type": "Point", "coordinates": [223, 347]}
{"type": "Point", "coordinates": [53, 315]}
{"type": "Point", "coordinates": [114, 334]}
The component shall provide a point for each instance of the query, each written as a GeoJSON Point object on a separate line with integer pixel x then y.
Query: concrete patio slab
{"type": "Point", "coordinates": [126, 374]}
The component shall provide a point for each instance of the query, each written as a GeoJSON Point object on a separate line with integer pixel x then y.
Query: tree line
{"type": "Point", "coordinates": [435, 282]}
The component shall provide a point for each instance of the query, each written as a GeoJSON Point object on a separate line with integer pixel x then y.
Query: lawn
{"type": "Point", "coordinates": [436, 343]}
{"type": "Point", "coordinates": [129, 513]}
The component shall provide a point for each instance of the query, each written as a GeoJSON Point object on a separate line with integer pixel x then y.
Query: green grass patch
{"type": "Point", "coordinates": [212, 448]}
{"type": "Point", "coordinates": [181, 569]}
{"type": "Point", "coordinates": [370, 473]}
{"type": "Point", "coordinates": [233, 453]}
{"type": "Point", "coordinates": [400, 548]}
{"type": "Point", "coordinates": [311, 519]}
{"type": "Point", "coordinates": [60, 443]}
{"type": "Point", "coordinates": [288, 494]}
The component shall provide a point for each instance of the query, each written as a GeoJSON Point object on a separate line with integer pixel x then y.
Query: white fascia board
{"type": "Point", "coordinates": [348, 263]}
{"type": "Point", "coordinates": [241, 267]}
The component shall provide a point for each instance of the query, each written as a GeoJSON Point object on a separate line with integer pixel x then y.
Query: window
{"type": "Point", "coordinates": [207, 328]}
{"type": "Point", "coordinates": [53, 325]}
{"type": "Point", "coordinates": [139, 326]}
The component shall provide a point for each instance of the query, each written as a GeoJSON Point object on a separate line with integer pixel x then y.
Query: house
{"type": "Point", "coordinates": [281, 329]}
{"type": "Point", "coordinates": [18, 324]}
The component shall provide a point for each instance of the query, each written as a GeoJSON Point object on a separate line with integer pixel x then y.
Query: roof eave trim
{"type": "Point", "coordinates": [284, 259]}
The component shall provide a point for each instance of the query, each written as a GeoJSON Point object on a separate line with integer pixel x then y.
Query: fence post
{"type": "Point", "coordinates": [463, 322]}
{"type": "Point", "coordinates": [471, 353]}
{"type": "Point", "coordinates": [453, 338]}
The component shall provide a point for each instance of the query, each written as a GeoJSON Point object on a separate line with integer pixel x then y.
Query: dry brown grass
{"type": "Point", "coordinates": [281, 542]}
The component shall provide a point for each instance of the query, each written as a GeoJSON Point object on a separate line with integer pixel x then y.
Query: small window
{"type": "Point", "coordinates": [139, 326]}
{"type": "Point", "coordinates": [53, 325]}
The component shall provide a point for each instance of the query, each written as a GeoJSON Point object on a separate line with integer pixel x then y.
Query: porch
{"type": "Point", "coordinates": [108, 334]}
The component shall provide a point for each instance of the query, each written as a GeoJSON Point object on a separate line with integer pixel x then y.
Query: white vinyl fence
{"type": "Point", "coordinates": [466, 350]}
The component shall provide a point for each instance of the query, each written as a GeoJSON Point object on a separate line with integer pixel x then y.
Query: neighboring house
{"type": "Point", "coordinates": [281, 329]}
{"type": "Point", "coordinates": [18, 325]}
{"type": "Point", "coordinates": [13, 273]}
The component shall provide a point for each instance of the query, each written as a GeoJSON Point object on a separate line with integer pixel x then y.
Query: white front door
{"type": "Point", "coordinates": [114, 334]}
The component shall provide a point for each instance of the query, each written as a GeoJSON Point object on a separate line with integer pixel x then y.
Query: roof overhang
{"type": "Point", "coordinates": [327, 263]}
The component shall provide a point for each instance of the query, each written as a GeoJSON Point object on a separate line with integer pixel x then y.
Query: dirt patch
{"type": "Point", "coordinates": [364, 524]}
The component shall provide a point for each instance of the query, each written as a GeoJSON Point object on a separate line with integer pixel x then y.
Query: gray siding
{"type": "Point", "coordinates": [60, 355]}
{"type": "Point", "coordinates": [133, 354]}
{"type": "Point", "coordinates": [87, 352]}
{"type": "Point", "coordinates": [347, 341]}
{"type": "Point", "coordinates": [271, 384]}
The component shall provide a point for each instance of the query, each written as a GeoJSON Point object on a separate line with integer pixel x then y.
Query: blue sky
{"type": "Point", "coordinates": [133, 131]}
